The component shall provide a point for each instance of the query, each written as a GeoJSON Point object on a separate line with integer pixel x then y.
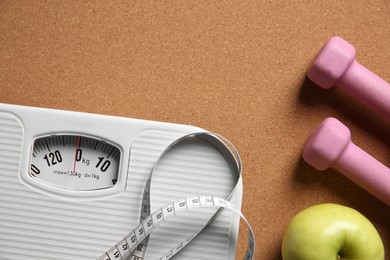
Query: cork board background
{"type": "Point", "coordinates": [237, 68]}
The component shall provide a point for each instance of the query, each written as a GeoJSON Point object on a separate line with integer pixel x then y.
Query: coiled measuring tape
{"type": "Point", "coordinates": [134, 245]}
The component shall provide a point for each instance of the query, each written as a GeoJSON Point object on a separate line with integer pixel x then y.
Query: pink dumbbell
{"type": "Point", "coordinates": [330, 146]}
{"type": "Point", "coordinates": [335, 64]}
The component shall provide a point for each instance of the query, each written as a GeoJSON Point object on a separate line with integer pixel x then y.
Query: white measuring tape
{"type": "Point", "coordinates": [134, 245]}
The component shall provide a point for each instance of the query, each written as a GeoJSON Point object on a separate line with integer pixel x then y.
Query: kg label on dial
{"type": "Point", "coordinates": [74, 162]}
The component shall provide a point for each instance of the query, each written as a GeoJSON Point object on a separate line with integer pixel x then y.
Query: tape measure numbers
{"type": "Point", "coordinates": [134, 245]}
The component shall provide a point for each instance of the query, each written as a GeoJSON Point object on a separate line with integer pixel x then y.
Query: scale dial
{"type": "Point", "coordinates": [74, 162]}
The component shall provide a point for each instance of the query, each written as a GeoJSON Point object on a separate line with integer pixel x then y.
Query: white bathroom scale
{"type": "Point", "coordinates": [72, 185]}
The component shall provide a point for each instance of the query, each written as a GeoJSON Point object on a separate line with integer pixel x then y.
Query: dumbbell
{"type": "Point", "coordinates": [330, 145]}
{"type": "Point", "coordinates": [335, 64]}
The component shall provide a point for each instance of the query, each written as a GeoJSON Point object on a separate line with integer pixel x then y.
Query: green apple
{"type": "Point", "coordinates": [331, 232]}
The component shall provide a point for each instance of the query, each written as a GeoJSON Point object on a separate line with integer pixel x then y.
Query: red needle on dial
{"type": "Point", "coordinates": [75, 156]}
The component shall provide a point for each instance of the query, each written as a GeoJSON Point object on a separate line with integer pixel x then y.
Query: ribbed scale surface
{"type": "Point", "coordinates": [35, 226]}
{"type": "Point", "coordinates": [192, 168]}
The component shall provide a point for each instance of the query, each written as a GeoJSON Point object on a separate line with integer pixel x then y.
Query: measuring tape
{"type": "Point", "coordinates": [133, 246]}
{"type": "Point", "coordinates": [72, 182]}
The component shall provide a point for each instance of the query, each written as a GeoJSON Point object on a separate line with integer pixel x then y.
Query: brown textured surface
{"type": "Point", "coordinates": [233, 67]}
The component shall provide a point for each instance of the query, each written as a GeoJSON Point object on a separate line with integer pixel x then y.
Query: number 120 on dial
{"type": "Point", "coordinates": [75, 162]}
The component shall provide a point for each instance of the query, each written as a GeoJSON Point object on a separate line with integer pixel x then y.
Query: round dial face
{"type": "Point", "coordinates": [74, 162]}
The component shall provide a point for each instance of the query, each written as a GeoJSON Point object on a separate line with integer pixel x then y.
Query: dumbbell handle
{"type": "Point", "coordinates": [365, 171]}
{"type": "Point", "coordinates": [367, 87]}
{"type": "Point", "coordinates": [335, 65]}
